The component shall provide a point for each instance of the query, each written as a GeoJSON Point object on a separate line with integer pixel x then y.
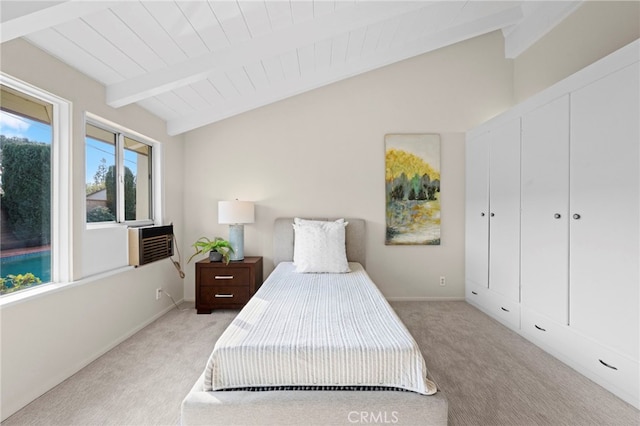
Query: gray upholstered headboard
{"type": "Point", "coordinates": [283, 240]}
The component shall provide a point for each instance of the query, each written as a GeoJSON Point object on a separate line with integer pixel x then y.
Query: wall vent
{"type": "Point", "coordinates": [150, 243]}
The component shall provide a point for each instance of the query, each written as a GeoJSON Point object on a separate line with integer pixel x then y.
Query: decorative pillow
{"type": "Point", "coordinates": [308, 222]}
{"type": "Point", "coordinates": [320, 246]}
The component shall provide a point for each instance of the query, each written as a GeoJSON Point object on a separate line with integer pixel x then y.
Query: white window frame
{"type": "Point", "coordinates": [155, 192]}
{"type": "Point", "coordinates": [61, 187]}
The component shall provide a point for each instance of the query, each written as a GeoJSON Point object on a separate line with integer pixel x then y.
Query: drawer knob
{"type": "Point", "coordinates": [223, 277]}
{"type": "Point", "coordinates": [607, 365]}
{"type": "Point", "coordinates": [227, 296]}
{"type": "Point", "coordinates": [557, 215]}
{"type": "Point", "coordinates": [482, 214]}
{"type": "Point", "coordinates": [492, 214]}
{"type": "Point", "coordinates": [504, 309]}
{"type": "Point", "coordinates": [576, 216]}
{"type": "Point", "coordinates": [539, 328]}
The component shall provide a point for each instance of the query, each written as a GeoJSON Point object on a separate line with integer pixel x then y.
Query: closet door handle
{"type": "Point", "coordinates": [504, 309]}
{"type": "Point", "coordinates": [576, 216]}
{"type": "Point", "coordinates": [607, 365]}
{"type": "Point", "coordinates": [539, 328]}
{"type": "Point", "coordinates": [557, 215]}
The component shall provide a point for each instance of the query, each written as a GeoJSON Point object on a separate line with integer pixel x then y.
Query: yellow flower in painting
{"type": "Point", "coordinates": [399, 162]}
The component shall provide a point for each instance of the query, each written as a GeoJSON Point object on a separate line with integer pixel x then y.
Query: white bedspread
{"type": "Point", "coordinates": [317, 330]}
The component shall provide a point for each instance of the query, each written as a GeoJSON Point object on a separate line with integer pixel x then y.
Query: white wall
{"type": "Point", "coordinates": [322, 154]}
{"type": "Point", "coordinates": [47, 338]}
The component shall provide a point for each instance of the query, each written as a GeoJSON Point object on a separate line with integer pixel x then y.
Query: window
{"type": "Point", "coordinates": [34, 242]}
{"type": "Point", "coordinates": [118, 175]}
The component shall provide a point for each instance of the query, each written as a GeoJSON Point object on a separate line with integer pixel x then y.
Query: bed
{"type": "Point", "coordinates": [315, 349]}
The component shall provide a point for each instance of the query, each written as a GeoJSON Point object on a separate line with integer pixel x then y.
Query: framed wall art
{"type": "Point", "coordinates": [412, 189]}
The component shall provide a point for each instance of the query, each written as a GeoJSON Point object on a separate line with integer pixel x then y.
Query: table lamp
{"type": "Point", "coordinates": [236, 214]}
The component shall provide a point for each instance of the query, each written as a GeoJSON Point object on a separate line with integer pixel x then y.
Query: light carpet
{"type": "Point", "coordinates": [491, 375]}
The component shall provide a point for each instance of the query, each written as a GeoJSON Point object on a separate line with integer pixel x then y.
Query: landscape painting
{"type": "Point", "coordinates": [412, 189]}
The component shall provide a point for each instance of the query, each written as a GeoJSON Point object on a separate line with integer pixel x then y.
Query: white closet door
{"type": "Point", "coordinates": [544, 268]}
{"type": "Point", "coordinates": [504, 207]}
{"type": "Point", "coordinates": [605, 209]}
{"type": "Point", "coordinates": [477, 211]}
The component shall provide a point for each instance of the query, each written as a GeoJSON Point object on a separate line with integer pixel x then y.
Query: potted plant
{"type": "Point", "coordinates": [218, 249]}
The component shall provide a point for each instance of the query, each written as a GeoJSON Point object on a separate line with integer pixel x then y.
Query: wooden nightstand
{"type": "Point", "coordinates": [221, 286]}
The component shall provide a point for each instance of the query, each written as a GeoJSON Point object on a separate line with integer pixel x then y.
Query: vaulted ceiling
{"type": "Point", "coordinates": [197, 62]}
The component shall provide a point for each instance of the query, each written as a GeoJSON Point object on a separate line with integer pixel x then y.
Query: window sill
{"type": "Point", "coordinates": [49, 288]}
{"type": "Point", "coordinates": [132, 224]}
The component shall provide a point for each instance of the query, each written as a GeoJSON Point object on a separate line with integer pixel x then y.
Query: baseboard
{"type": "Point", "coordinates": [71, 370]}
{"type": "Point", "coordinates": [125, 336]}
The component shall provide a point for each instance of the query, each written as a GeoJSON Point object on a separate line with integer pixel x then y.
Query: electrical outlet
{"type": "Point", "coordinates": [442, 281]}
{"type": "Point", "coordinates": [158, 293]}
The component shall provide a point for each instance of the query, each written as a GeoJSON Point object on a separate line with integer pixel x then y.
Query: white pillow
{"type": "Point", "coordinates": [308, 222]}
{"type": "Point", "coordinates": [319, 246]}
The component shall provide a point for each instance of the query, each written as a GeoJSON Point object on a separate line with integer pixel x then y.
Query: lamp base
{"type": "Point", "coordinates": [236, 239]}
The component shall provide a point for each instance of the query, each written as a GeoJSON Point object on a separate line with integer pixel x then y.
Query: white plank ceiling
{"type": "Point", "coordinates": [197, 62]}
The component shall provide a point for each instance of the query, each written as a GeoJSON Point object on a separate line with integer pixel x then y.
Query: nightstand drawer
{"type": "Point", "coordinates": [228, 276]}
{"type": "Point", "coordinates": [224, 296]}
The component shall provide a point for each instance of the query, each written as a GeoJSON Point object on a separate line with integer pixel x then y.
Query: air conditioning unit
{"type": "Point", "coordinates": [150, 243]}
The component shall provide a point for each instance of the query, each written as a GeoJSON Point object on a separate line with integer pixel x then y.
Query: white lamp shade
{"type": "Point", "coordinates": [232, 212]}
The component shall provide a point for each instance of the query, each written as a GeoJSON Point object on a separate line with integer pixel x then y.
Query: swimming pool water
{"type": "Point", "coordinates": [39, 264]}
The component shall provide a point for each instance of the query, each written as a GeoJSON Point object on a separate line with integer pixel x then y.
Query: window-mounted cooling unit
{"type": "Point", "coordinates": [150, 243]}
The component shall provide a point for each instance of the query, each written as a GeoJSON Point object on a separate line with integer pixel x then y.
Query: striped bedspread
{"type": "Point", "coordinates": [317, 330]}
